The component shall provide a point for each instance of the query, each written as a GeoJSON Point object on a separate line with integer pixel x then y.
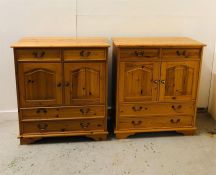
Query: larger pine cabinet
{"type": "Point", "coordinates": [61, 87]}
{"type": "Point", "coordinates": [156, 84]}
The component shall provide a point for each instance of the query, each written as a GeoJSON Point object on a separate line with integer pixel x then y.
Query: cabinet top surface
{"type": "Point", "coordinates": [29, 42]}
{"type": "Point", "coordinates": [156, 41]}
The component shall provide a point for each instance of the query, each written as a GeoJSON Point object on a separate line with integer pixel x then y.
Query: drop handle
{"type": "Point", "coordinates": [84, 125]}
{"type": "Point", "coordinates": [84, 111]}
{"type": "Point", "coordinates": [38, 54]}
{"type": "Point", "coordinates": [84, 53]}
{"type": "Point", "coordinates": [39, 110]}
{"type": "Point", "coordinates": [137, 108]}
{"type": "Point", "coordinates": [139, 53]}
{"type": "Point", "coordinates": [42, 126]}
{"type": "Point", "coordinates": [136, 122]}
{"type": "Point", "coordinates": [175, 121]}
{"type": "Point", "coordinates": [181, 53]}
{"type": "Point", "coordinates": [176, 108]}
{"type": "Point", "coordinates": [30, 81]}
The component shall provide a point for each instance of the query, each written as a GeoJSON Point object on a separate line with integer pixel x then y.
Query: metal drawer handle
{"type": "Point", "coordinates": [84, 125]}
{"type": "Point", "coordinates": [137, 108]}
{"type": "Point", "coordinates": [175, 121]}
{"type": "Point", "coordinates": [84, 53]}
{"type": "Point", "coordinates": [84, 111]}
{"type": "Point", "coordinates": [42, 126]}
{"type": "Point", "coordinates": [136, 122]}
{"type": "Point", "coordinates": [38, 54]}
{"type": "Point", "coordinates": [183, 53]}
{"type": "Point", "coordinates": [39, 110]}
{"type": "Point", "coordinates": [139, 53]}
{"type": "Point", "coordinates": [176, 108]}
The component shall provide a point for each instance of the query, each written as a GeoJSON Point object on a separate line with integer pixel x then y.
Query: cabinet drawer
{"type": "Point", "coordinates": [139, 53]}
{"type": "Point", "coordinates": [83, 111]}
{"type": "Point", "coordinates": [181, 53]}
{"type": "Point", "coordinates": [40, 113]}
{"type": "Point", "coordinates": [38, 54]}
{"type": "Point", "coordinates": [155, 122]}
{"type": "Point", "coordinates": [156, 109]}
{"type": "Point", "coordinates": [63, 126]}
{"type": "Point", "coordinates": [85, 53]}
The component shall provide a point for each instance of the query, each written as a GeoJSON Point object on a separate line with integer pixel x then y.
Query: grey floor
{"type": "Point", "coordinates": [149, 153]}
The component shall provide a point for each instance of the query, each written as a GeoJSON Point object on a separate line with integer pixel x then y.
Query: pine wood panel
{"type": "Point", "coordinates": [183, 53]}
{"type": "Point", "coordinates": [140, 53]}
{"type": "Point", "coordinates": [40, 84]}
{"type": "Point", "coordinates": [39, 113]}
{"type": "Point", "coordinates": [61, 42]}
{"type": "Point", "coordinates": [155, 122]}
{"type": "Point", "coordinates": [82, 111]}
{"type": "Point", "coordinates": [38, 54]}
{"type": "Point", "coordinates": [146, 109]}
{"type": "Point", "coordinates": [84, 83]}
{"type": "Point", "coordinates": [84, 54]}
{"type": "Point", "coordinates": [138, 81]}
{"type": "Point", "coordinates": [156, 42]}
{"type": "Point", "coordinates": [45, 127]}
{"type": "Point", "coordinates": [179, 80]}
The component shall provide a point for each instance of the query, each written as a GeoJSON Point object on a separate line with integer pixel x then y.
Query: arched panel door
{"type": "Point", "coordinates": [138, 81]}
{"type": "Point", "coordinates": [40, 84]}
{"type": "Point", "coordinates": [84, 83]}
{"type": "Point", "coordinates": [179, 80]}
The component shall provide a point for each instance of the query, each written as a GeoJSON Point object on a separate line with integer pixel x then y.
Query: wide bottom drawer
{"type": "Point", "coordinates": [155, 122]}
{"type": "Point", "coordinates": [63, 126]}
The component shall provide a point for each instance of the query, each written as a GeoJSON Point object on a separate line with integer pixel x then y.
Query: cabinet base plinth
{"type": "Point", "coordinates": [124, 135]}
{"type": "Point", "coordinates": [26, 141]}
{"type": "Point", "coordinates": [98, 137]}
{"type": "Point", "coordinates": [31, 138]}
{"type": "Point", "coordinates": [187, 132]}
{"type": "Point", "coordinates": [121, 134]}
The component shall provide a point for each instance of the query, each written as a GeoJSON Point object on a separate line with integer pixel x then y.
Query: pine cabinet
{"type": "Point", "coordinates": [61, 87]}
{"type": "Point", "coordinates": [156, 84]}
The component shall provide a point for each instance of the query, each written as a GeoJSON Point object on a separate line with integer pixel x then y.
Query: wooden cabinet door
{"type": "Point", "coordinates": [40, 84]}
{"type": "Point", "coordinates": [179, 80]}
{"type": "Point", "coordinates": [84, 83]}
{"type": "Point", "coordinates": [138, 81]}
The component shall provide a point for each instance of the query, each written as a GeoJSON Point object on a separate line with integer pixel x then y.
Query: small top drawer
{"type": "Point", "coordinates": [181, 53]}
{"type": "Point", "coordinates": [82, 111]}
{"type": "Point", "coordinates": [39, 113]}
{"type": "Point", "coordinates": [38, 54]}
{"type": "Point", "coordinates": [84, 54]}
{"type": "Point", "coordinates": [139, 53]}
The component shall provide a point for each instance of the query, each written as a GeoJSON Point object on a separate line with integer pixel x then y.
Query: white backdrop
{"type": "Point", "coordinates": [18, 18]}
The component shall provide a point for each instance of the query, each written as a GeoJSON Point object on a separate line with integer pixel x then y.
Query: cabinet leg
{"type": "Point", "coordinates": [26, 141]}
{"type": "Point", "coordinates": [187, 132]}
{"type": "Point", "coordinates": [123, 135]}
{"type": "Point", "coordinates": [98, 137]}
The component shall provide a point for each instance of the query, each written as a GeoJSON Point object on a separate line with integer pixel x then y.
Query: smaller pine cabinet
{"type": "Point", "coordinates": [61, 87]}
{"type": "Point", "coordinates": [156, 84]}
